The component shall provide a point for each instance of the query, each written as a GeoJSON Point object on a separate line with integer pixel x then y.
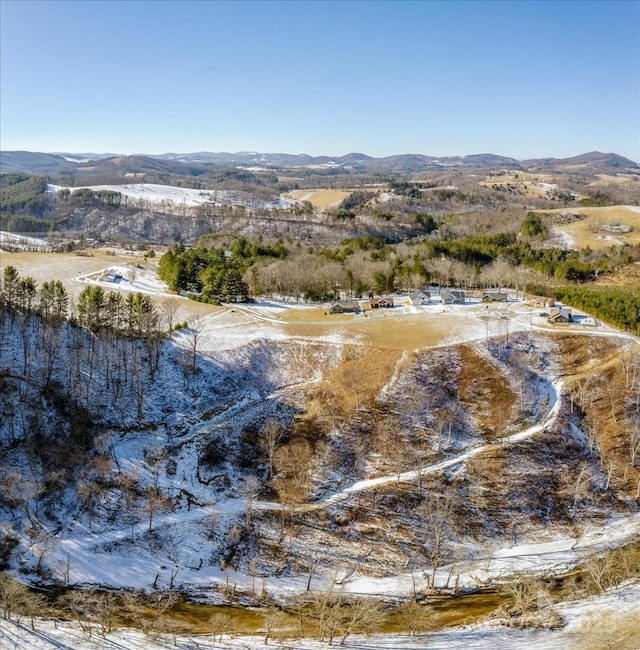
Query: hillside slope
{"type": "Point", "coordinates": [243, 449]}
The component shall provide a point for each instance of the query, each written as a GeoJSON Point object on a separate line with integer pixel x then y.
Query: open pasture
{"type": "Point", "coordinates": [321, 199]}
{"type": "Point", "coordinates": [533, 185]}
{"type": "Point", "coordinates": [600, 227]}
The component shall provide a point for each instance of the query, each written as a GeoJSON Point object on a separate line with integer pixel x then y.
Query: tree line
{"type": "Point", "coordinates": [134, 315]}
{"type": "Point", "coordinates": [84, 195]}
{"type": "Point", "coordinates": [21, 193]}
{"type": "Point", "coordinates": [215, 274]}
{"type": "Point", "coordinates": [239, 269]}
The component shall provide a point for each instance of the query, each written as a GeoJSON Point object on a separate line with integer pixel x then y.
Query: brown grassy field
{"type": "Point", "coordinates": [591, 230]}
{"type": "Point", "coordinates": [380, 330]}
{"type": "Point", "coordinates": [527, 184]}
{"type": "Point", "coordinates": [598, 385]}
{"type": "Point", "coordinates": [618, 178]}
{"type": "Point", "coordinates": [377, 329]}
{"type": "Point", "coordinates": [66, 266]}
{"type": "Point", "coordinates": [627, 276]}
{"type": "Point", "coordinates": [321, 199]}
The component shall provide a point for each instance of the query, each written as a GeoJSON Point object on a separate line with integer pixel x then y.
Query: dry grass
{"type": "Point", "coordinates": [482, 388]}
{"type": "Point", "coordinates": [317, 315]}
{"type": "Point", "coordinates": [607, 629]}
{"type": "Point", "coordinates": [584, 354]}
{"type": "Point", "coordinates": [575, 166]}
{"type": "Point", "coordinates": [321, 199]}
{"type": "Point", "coordinates": [526, 184]}
{"type": "Point", "coordinates": [627, 276]}
{"type": "Point", "coordinates": [354, 382]}
{"type": "Point", "coordinates": [590, 231]}
{"type": "Point", "coordinates": [410, 332]}
{"type": "Point", "coordinates": [618, 178]}
{"type": "Point", "coordinates": [598, 378]}
{"type": "Point", "coordinates": [378, 329]}
{"type": "Point", "coordinates": [524, 177]}
{"type": "Point", "coordinates": [383, 329]}
{"type": "Point", "coordinates": [66, 267]}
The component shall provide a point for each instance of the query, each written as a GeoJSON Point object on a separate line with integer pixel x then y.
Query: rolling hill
{"type": "Point", "coordinates": [195, 164]}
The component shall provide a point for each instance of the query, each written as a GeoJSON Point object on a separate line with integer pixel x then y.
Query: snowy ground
{"type": "Point", "coordinates": [233, 329]}
{"type": "Point", "coordinates": [610, 620]}
{"type": "Point", "coordinates": [127, 277]}
{"type": "Point", "coordinates": [562, 238]}
{"type": "Point", "coordinates": [92, 558]}
{"type": "Point", "coordinates": [154, 194]}
{"type": "Point", "coordinates": [23, 243]}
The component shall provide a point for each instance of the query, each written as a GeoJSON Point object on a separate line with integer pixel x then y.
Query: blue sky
{"type": "Point", "coordinates": [522, 79]}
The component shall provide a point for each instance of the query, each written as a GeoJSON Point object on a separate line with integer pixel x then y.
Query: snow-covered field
{"type": "Point", "coordinates": [151, 194]}
{"type": "Point", "coordinates": [22, 242]}
{"type": "Point", "coordinates": [127, 277]}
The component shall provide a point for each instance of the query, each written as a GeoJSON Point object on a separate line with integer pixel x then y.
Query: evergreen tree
{"type": "Point", "coordinates": [10, 279]}
{"type": "Point", "coordinates": [92, 308]}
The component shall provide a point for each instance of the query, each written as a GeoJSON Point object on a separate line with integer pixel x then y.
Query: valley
{"type": "Point", "coordinates": [319, 325]}
{"type": "Point", "coordinates": [321, 475]}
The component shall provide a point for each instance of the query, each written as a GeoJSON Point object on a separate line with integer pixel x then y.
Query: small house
{"type": "Point", "coordinates": [560, 315]}
{"type": "Point", "coordinates": [418, 298]}
{"type": "Point", "coordinates": [494, 296]}
{"type": "Point", "coordinates": [379, 302]}
{"type": "Point", "coordinates": [345, 307]}
{"type": "Point", "coordinates": [452, 296]}
{"type": "Point", "coordinates": [542, 301]}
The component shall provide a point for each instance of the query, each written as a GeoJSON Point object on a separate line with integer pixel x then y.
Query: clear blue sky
{"type": "Point", "coordinates": [522, 79]}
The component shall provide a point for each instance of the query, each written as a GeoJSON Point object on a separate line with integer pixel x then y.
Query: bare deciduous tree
{"type": "Point", "coordinates": [582, 484]}
{"type": "Point", "coordinates": [292, 471]}
{"type": "Point", "coordinates": [524, 592]}
{"type": "Point", "coordinates": [192, 340]}
{"type": "Point", "coordinates": [339, 616]}
{"type": "Point", "coordinates": [633, 430]}
{"type": "Point", "coordinates": [271, 435]}
{"type": "Point", "coordinates": [362, 614]}
{"type": "Point", "coordinates": [85, 607]}
{"type": "Point", "coordinates": [631, 368]}
{"type": "Point", "coordinates": [273, 619]}
{"type": "Point", "coordinates": [18, 600]}
{"type": "Point", "coordinates": [602, 571]}
{"type": "Point", "coordinates": [415, 617]}
{"type": "Point", "coordinates": [169, 309]}
{"type": "Point", "coordinates": [155, 503]}
{"type": "Point", "coordinates": [249, 488]}
{"type": "Point", "coordinates": [436, 510]}
{"type": "Point", "coordinates": [221, 622]}
{"type": "Point", "coordinates": [161, 604]}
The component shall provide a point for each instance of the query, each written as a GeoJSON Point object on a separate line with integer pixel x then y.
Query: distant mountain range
{"type": "Point", "coordinates": [195, 164]}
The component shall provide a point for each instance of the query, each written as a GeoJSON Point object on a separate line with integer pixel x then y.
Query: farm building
{"type": "Point", "coordinates": [345, 307]}
{"type": "Point", "coordinates": [419, 298]}
{"type": "Point", "coordinates": [380, 302]}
